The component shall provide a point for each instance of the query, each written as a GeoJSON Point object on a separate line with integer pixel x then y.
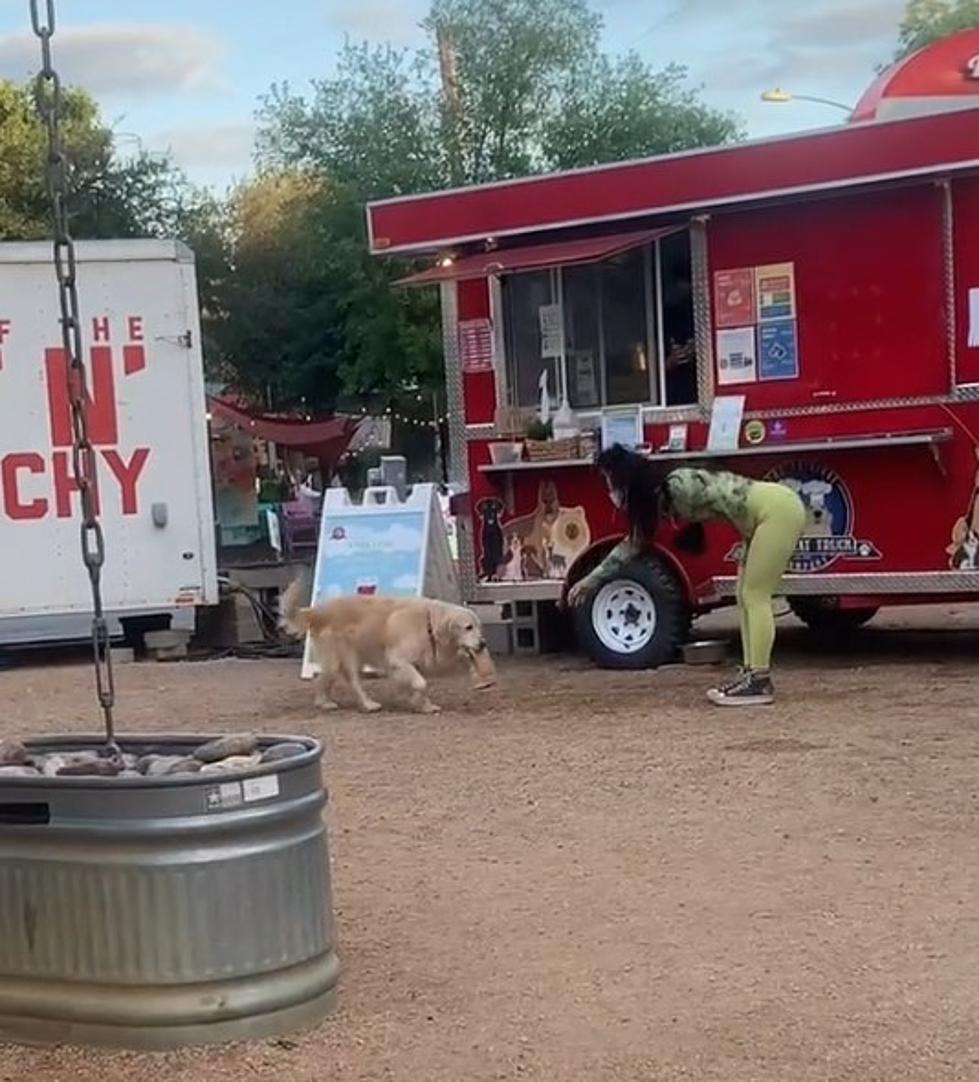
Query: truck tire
{"type": "Point", "coordinates": [637, 619]}
{"type": "Point", "coordinates": [824, 615]}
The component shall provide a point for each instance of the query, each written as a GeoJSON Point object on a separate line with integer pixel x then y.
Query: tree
{"type": "Point", "coordinates": [23, 147]}
{"type": "Point", "coordinates": [504, 65]}
{"type": "Point", "coordinates": [505, 88]}
{"type": "Point", "coordinates": [307, 318]}
{"type": "Point", "coordinates": [614, 110]}
{"type": "Point", "coordinates": [926, 21]}
{"type": "Point", "coordinates": [373, 126]}
{"type": "Point", "coordinates": [141, 196]}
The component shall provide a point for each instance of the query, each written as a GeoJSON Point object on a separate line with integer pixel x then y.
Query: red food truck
{"type": "Point", "coordinates": [803, 309]}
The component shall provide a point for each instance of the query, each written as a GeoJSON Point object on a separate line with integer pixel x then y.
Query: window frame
{"type": "Point", "coordinates": [652, 264]}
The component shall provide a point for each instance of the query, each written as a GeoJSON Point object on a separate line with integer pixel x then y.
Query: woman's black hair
{"type": "Point", "coordinates": [639, 481]}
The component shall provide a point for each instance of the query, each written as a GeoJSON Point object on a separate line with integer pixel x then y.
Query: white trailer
{"type": "Point", "coordinates": [147, 422]}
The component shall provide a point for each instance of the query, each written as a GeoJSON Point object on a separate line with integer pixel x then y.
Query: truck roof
{"type": "Point", "coordinates": [847, 156]}
{"type": "Point", "coordinates": [141, 250]}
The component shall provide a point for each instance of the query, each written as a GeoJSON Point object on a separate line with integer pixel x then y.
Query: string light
{"type": "Point", "coordinates": [392, 415]}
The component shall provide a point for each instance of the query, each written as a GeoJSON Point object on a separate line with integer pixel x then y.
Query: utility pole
{"type": "Point", "coordinates": [451, 99]}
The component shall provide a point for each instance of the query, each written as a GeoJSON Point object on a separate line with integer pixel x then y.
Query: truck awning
{"type": "Point", "coordinates": [537, 257]}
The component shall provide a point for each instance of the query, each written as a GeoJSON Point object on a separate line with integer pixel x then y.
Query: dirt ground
{"type": "Point", "coordinates": [595, 876]}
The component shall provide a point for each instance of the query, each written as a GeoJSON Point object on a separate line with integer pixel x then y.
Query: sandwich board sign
{"type": "Point", "coordinates": [382, 546]}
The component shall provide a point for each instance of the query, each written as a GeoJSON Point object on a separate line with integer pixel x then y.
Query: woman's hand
{"type": "Point", "coordinates": [577, 594]}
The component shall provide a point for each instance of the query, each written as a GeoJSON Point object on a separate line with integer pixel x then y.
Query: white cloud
{"type": "Point", "coordinates": [208, 144]}
{"type": "Point", "coordinates": [122, 58]}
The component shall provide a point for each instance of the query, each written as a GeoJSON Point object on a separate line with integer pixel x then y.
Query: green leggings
{"type": "Point", "coordinates": [776, 519]}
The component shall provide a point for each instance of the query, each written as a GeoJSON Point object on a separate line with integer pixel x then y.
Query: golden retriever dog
{"type": "Point", "coordinates": [400, 637]}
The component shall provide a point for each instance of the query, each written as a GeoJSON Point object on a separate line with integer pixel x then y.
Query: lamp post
{"type": "Point", "coordinates": [777, 96]}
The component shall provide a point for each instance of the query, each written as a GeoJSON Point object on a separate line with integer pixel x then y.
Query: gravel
{"type": "Point", "coordinates": [594, 876]}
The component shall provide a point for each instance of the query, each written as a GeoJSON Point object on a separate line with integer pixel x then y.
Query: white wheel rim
{"type": "Point", "coordinates": [623, 615]}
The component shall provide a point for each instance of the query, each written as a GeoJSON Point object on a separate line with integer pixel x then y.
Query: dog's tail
{"type": "Point", "coordinates": [293, 613]}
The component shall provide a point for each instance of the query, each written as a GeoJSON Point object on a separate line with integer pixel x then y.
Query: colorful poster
{"type": "Point", "coordinates": [775, 290]}
{"type": "Point", "coordinates": [736, 356]}
{"type": "Point", "coordinates": [778, 350]}
{"type": "Point", "coordinates": [734, 297]}
{"type": "Point", "coordinates": [476, 345]}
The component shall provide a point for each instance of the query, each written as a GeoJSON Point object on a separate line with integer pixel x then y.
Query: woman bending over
{"type": "Point", "coordinates": [770, 518]}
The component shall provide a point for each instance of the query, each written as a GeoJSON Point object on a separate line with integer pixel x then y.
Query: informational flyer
{"type": "Point", "coordinates": [582, 364]}
{"type": "Point", "coordinates": [734, 297]}
{"type": "Point", "coordinates": [725, 422]}
{"type": "Point", "coordinates": [551, 330]}
{"type": "Point", "coordinates": [778, 350]}
{"type": "Point", "coordinates": [623, 427]}
{"type": "Point", "coordinates": [775, 290]}
{"type": "Point", "coordinates": [736, 361]}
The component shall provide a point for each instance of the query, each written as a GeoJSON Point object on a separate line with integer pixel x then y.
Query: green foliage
{"type": "Point", "coordinates": [373, 126]}
{"type": "Point", "coordinates": [307, 317]}
{"type": "Point", "coordinates": [505, 88]}
{"type": "Point", "coordinates": [926, 21]}
{"type": "Point", "coordinates": [108, 197]}
{"type": "Point", "coordinates": [508, 64]}
{"type": "Point", "coordinates": [619, 109]}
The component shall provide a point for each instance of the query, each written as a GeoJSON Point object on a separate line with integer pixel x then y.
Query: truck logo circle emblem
{"type": "Point", "coordinates": [339, 534]}
{"type": "Point", "coordinates": [829, 531]}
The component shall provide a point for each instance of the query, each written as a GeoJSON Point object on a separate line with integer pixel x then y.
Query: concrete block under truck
{"type": "Point", "coordinates": [148, 424]}
{"type": "Point", "coordinates": [831, 278]}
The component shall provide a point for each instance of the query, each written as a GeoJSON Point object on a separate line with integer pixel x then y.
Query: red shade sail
{"type": "Point", "coordinates": [325, 440]}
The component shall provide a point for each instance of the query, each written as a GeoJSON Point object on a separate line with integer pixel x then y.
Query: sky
{"type": "Point", "coordinates": [185, 76]}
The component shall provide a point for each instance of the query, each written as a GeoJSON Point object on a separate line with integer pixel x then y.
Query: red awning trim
{"type": "Point", "coordinates": [537, 257]}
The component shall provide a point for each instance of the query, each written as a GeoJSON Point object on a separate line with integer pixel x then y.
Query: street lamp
{"type": "Point", "coordinates": [778, 96]}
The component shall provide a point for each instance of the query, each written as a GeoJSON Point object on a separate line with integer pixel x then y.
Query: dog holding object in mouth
{"type": "Point", "coordinates": [400, 637]}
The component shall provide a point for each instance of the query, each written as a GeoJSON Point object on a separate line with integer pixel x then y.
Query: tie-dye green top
{"type": "Point", "coordinates": [693, 495]}
{"type": "Point", "coordinates": [700, 495]}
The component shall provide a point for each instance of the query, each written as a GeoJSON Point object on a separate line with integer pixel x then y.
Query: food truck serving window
{"type": "Point", "coordinates": [622, 328]}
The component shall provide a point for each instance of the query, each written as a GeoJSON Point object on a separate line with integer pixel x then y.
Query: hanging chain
{"type": "Point", "coordinates": [50, 104]}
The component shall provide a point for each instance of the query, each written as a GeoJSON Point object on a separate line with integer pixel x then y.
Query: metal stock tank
{"type": "Point", "coordinates": [153, 912]}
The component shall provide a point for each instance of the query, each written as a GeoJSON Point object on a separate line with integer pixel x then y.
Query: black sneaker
{"type": "Point", "coordinates": [750, 689]}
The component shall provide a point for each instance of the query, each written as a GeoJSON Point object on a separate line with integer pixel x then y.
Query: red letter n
{"type": "Point", "coordinates": [103, 425]}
